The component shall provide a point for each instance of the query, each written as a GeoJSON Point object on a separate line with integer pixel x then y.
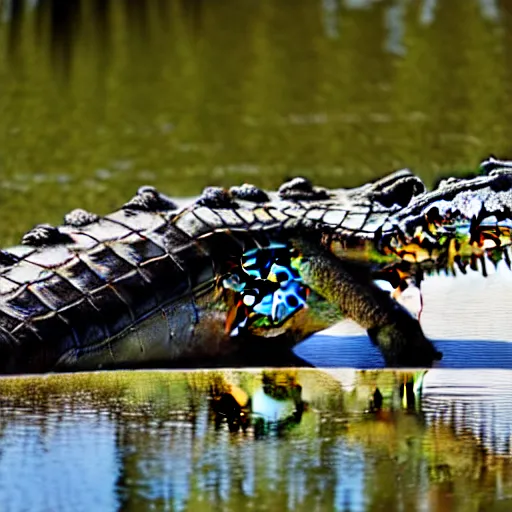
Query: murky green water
{"type": "Point", "coordinates": [100, 97]}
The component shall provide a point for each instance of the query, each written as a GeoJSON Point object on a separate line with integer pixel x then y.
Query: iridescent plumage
{"type": "Point", "coordinates": [269, 288]}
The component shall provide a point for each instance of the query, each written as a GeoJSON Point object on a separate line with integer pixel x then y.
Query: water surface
{"type": "Point", "coordinates": [101, 97]}
{"type": "Point", "coordinates": [262, 440]}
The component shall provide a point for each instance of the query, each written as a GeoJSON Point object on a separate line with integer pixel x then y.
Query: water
{"type": "Point", "coordinates": [100, 97]}
{"type": "Point", "coordinates": [173, 441]}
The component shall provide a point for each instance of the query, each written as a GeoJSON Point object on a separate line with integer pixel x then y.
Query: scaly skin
{"type": "Point", "coordinates": [141, 286]}
{"type": "Point", "coordinates": [389, 325]}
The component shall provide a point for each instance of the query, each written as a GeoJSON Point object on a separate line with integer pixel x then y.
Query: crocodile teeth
{"type": "Point", "coordinates": [473, 262]}
{"type": "Point", "coordinates": [506, 257]}
{"type": "Point", "coordinates": [460, 264]}
{"type": "Point", "coordinates": [473, 231]}
{"type": "Point", "coordinates": [483, 265]}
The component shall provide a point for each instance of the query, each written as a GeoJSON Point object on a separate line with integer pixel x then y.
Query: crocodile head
{"type": "Point", "coordinates": [461, 218]}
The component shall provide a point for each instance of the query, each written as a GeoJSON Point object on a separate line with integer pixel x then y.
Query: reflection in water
{"type": "Point", "coordinates": [488, 9]}
{"type": "Point", "coordinates": [331, 10]}
{"type": "Point", "coordinates": [275, 405]}
{"type": "Point", "coordinates": [279, 439]}
{"type": "Point", "coordinates": [461, 401]}
{"type": "Point", "coordinates": [395, 26]}
{"type": "Point", "coordinates": [64, 19]}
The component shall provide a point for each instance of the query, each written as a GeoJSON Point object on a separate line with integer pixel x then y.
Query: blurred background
{"type": "Point", "coordinates": [100, 96]}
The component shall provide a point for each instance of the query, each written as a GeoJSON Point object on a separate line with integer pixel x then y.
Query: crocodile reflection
{"type": "Point", "coordinates": [336, 439]}
{"type": "Point", "coordinates": [275, 405]}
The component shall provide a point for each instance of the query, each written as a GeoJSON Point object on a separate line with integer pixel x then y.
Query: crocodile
{"type": "Point", "coordinates": [242, 269]}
